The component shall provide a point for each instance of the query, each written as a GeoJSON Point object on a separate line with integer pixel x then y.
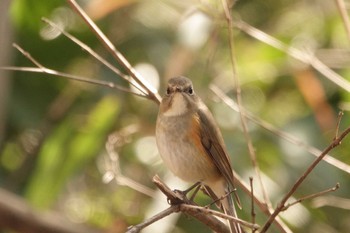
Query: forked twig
{"type": "Point", "coordinates": [284, 135]}
{"type": "Point", "coordinates": [181, 203]}
{"type": "Point", "coordinates": [226, 7]}
{"type": "Point", "coordinates": [336, 142]}
{"type": "Point", "coordinates": [94, 54]}
{"type": "Point", "coordinates": [176, 199]}
{"type": "Point", "coordinates": [151, 92]}
{"type": "Point", "coordinates": [42, 69]}
{"type": "Point", "coordinates": [295, 53]}
{"type": "Point", "coordinates": [336, 187]}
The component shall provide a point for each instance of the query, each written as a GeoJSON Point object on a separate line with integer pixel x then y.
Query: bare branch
{"type": "Point", "coordinates": [295, 53]}
{"type": "Point", "coordinates": [344, 15]}
{"type": "Point", "coordinates": [176, 198]}
{"type": "Point", "coordinates": [93, 54]}
{"type": "Point", "coordinates": [340, 116]}
{"type": "Point", "coordinates": [151, 92]}
{"type": "Point", "coordinates": [45, 70]}
{"type": "Point", "coordinates": [336, 142]}
{"type": "Point", "coordinates": [251, 150]}
{"type": "Point", "coordinates": [186, 208]}
{"type": "Point", "coordinates": [336, 187]}
{"type": "Point", "coordinates": [252, 200]}
{"type": "Point", "coordinates": [15, 214]}
{"type": "Point", "coordinates": [203, 214]}
{"type": "Point", "coordinates": [137, 228]}
{"type": "Point", "coordinates": [286, 136]}
{"type": "Point", "coordinates": [29, 57]}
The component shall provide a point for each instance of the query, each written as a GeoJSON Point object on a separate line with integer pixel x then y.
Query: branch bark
{"type": "Point", "coordinates": [336, 142]}
{"type": "Point", "coordinates": [16, 214]}
{"type": "Point", "coordinates": [180, 203]}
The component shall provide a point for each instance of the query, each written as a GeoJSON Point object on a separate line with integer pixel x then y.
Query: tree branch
{"type": "Point", "coordinates": [295, 53]}
{"type": "Point", "coordinates": [152, 93]}
{"type": "Point", "coordinates": [284, 135]}
{"type": "Point", "coordinates": [180, 203]}
{"type": "Point", "coordinates": [251, 150]}
{"type": "Point", "coordinates": [314, 195]}
{"type": "Point", "coordinates": [336, 142]}
{"type": "Point", "coordinates": [15, 214]}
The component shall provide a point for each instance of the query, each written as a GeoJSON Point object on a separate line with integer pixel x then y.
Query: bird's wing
{"type": "Point", "coordinates": [214, 145]}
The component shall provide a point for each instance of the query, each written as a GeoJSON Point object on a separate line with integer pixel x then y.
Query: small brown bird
{"type": "Point", "coordinates": [191, 145]}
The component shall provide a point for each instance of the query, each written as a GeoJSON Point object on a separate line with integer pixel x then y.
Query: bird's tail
{"type": "Point", "coordinates": [226, 204]}
{"type": "Point", "coordinates": [229, 208]}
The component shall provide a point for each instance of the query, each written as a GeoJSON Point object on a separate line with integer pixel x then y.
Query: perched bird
{"type": "Point", "coordinates": [191, 145]}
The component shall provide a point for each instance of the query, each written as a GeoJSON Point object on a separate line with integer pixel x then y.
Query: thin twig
{"type": "Point", "coordinates": [344, 15]}
{"type": "Point", "coordinates": [199, 209]}
{"type": "Point", "coordinates": [29, 57]}
{"type": "Point", "coordinates": [284, 135]}
{"type": "Point", "coordinates": [311, 196]}
{"type": "Point", "coordinates": [94, 54]}
{"type": "Point", "coordinates": [295, 53]}
{"type": "Point", "coordinates": [251, 150]}
{"type": "Point", "coordinates": [72, 77]}
{"type": "Point", "coordinates": [112, 165]}
{"type": "Point", "coordinates": [177, 198]}
{"type": "Point", "coordinates": [252, 212]}
{"type": "Point", "coordinates": [336, 142]}
{"type": "Point", "coordinates": [340, 116]}
{"type": "Point", "coordinates": [151, 92]}
{"type": "Point", "coordinates": [137, 228]}
{"type": "Point", "coordinates": [203, 214]}
{"type": "Point", "coordinates": [45, 70]}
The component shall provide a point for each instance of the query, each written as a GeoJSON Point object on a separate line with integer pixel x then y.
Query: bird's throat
{"type": "Point", "coordinates": [178, 106]}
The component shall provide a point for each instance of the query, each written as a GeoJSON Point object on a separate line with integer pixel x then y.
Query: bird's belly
{"type": "Point", "coordinates": [183, 158]}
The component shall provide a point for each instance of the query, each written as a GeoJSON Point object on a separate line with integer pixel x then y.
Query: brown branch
{"type": "Point", "coordinates": [195, 210]}
{"type": "Point", "coordinates": [252, 201]}
{"type": "Point", "coordinates": [336, 142]}
{"type": "Point", "coordinates": [251, 149]}
{"type": "Point", "coordinates": [311, 196]}
{"type": "Point", "coordinates": [180, 203]}
{"type": "Point", "coordinates": [137, 228]}
{"type": "Point", "coordinates": [151, 92]}
{"type": "Point", "coordinates": [94, 54]}
{"type": "Point", "coordinates": [295, 53]}
{"type": "Point", "coordinates": [284, 135]}
{"type": "Point", "coordinates": [17, 215]}
{"type": "Point", "coordinates": [340, 116]}
{"type": "Point", "coordinates": [45, 70]}
{"type": "Point", "coordinates": [267, 210]}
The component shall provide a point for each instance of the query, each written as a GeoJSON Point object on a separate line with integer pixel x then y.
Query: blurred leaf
{"type": "Point", "coordinates": [75, 142]}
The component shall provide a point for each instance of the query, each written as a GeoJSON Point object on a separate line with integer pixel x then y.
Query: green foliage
{"type": "Point", "coordinates": [70, 147]}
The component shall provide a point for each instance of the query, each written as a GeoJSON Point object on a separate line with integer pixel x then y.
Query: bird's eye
{"type": "Point", "coordinates": [168, 91]}
{"type": "Point", "coordinates": [190, 91]}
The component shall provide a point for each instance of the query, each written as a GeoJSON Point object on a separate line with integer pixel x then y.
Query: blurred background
{"type": "Point", "coordinates": [86, 154]}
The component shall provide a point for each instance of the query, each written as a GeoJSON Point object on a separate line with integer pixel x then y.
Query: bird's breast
{"type": "Point", "coordinates": [179, 144]}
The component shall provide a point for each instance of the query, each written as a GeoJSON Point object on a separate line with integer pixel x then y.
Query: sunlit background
{"type": "Point", "coordinates": [88, 153]}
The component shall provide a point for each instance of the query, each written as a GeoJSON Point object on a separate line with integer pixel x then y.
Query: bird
{"type": "Point", "coordinates": [192, 146]}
